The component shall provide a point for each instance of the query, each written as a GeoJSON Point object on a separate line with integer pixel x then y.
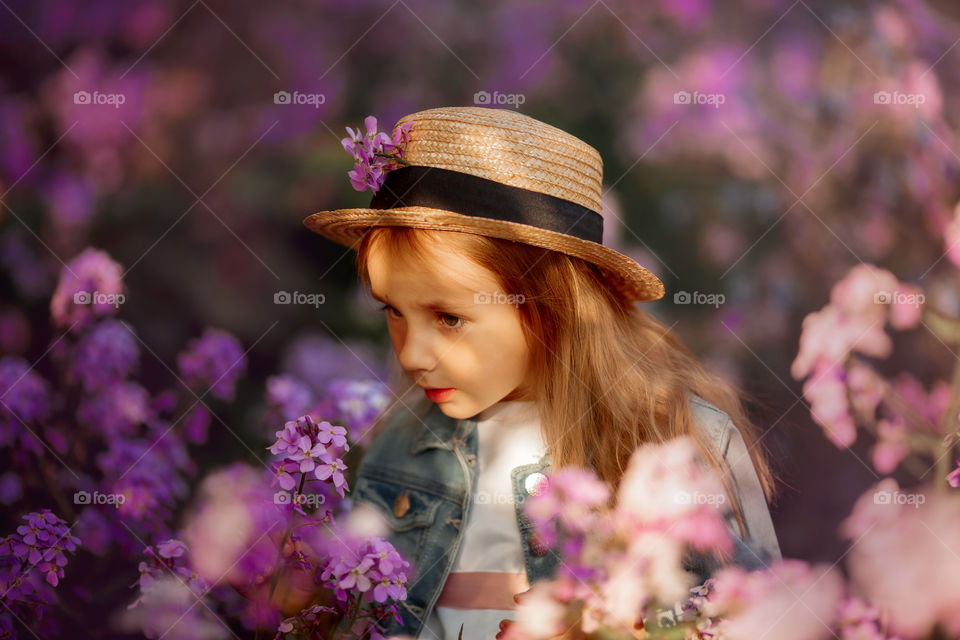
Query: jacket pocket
{"type": "Point", "coordinates": [407, 511]}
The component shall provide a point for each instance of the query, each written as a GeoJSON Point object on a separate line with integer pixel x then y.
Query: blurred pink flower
{"type": "Point", "coordinates": [866, 387]}
{"type": "Point", "coordinates": [904, 556]}
{"type": "Point", "coordinates": [951, 237]}
{"type": "Point", "coordinates": [860, 292]}
{"type": "Point", "coordinates": [906, 308]}
{"type": "Point", "coordinates": [828, 337]}
{"type": "Point", "coordinates": [228, 526]}
{"type": "Point", "coordinates": [892, 445]}
{"type": "Point", "coordinates": [930, 405]}
{"type": "Point", "coordinates": [827, 394]}
{"type": "Point", "coordinates": [953, 478]}
{"type": "Point", "coordinates": [538, 616]}
{"type": "Point", "coordinates": [89, 286]}
{"type": "Point", "coordinates": [789, 601]}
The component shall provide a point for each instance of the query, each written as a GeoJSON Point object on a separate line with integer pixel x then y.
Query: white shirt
{"type": "Point", "coordinates": [508, 435]}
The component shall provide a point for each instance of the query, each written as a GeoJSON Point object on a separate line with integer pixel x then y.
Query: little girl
{"type": "Point", "coordinates": [519, 350]}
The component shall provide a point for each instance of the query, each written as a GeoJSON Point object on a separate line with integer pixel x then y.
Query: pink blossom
{"type": "Point", "coordinates": [892, 445]}
{"type": "Point", "coordinates": [867, 389]}
{"type": "Point", "coordinates": [789, 601]}
{"type": "Point", "coordinates": [827, 394]}
{"type": "Point", "coordinates": [330, 434]}
{"type": "Point", "coordinates": [306, 453]}
{"type": "Point", "coordinates": [930, 405]}
{"type": "Point", "coordinates": [90, 285]}
{"type": "Point", "coordinates": [538, 615]}
{"type": "Point", "coordinates": [904, 556]}
{"type": "Point", "coordinates": [953, 478]}
{"type": "Point", "coordinates": [863, 292]}
{"type": "Point", "coordinates": [951, 237]}
{"type": "Point", "coordinates": [828, 336]}
{"type": "Point", "coordinates": [571, 496]}
{"type": "Point", "coordinates": [331, 467]}
{"type": "Point", "coordinates": [906, 308]}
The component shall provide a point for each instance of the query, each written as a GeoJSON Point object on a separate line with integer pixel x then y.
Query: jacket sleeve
{"type": "Point", "coordinates": [760, 546]}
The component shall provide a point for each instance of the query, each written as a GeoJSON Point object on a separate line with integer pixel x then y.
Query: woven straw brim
{"type": "Point", "coordinates": [623, 274]}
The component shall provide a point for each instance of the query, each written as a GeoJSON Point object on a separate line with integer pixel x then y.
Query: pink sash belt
{"type": "Point", "coordinates": [482, 590]}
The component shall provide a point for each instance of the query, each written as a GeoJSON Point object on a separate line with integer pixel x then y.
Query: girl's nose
{"type": "Point", "coordinates": [417, 351]}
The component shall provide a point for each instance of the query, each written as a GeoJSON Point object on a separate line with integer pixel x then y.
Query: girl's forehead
{"type": "Point", "coordinates": [437, 267]}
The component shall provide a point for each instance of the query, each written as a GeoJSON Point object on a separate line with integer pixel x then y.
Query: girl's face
{"type": "Point", "coordinates": [451, 327]}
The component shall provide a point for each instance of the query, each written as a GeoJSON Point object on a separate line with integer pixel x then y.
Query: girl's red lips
{"type": "Point", "coordinates": [438, 395]}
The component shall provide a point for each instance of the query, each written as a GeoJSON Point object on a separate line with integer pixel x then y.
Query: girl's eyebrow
{"type": "Point", "coordinates": [433, 305]}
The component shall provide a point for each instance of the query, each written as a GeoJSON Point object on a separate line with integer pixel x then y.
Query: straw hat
{"type": "Point", "coordinates": [497, 173]}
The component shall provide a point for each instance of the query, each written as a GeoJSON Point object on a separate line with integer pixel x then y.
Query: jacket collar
{"type": "Point", "coordinates": [437, 431]}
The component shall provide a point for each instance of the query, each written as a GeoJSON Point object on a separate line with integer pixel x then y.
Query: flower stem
{"type": "Point", "coordinates": [949, 426]}
{"type": "Point", "coordinates": [353, 618]}
{"type": "Point", "coordinates": [286, 534]}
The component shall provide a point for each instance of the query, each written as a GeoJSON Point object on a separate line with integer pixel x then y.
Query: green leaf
{"type": "Point", "coordinates": [947, 329]}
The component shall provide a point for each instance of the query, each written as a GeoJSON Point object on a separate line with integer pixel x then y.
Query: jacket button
{"type": "Point", "coordinates": [534, 483]}
{"type": "Point", "coordinates": [401, 505]}
{"type": "Point", "coordinates": [537, 547]}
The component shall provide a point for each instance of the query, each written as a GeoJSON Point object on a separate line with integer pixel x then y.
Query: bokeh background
{"type": "Point", "coordinates": [754, 150]}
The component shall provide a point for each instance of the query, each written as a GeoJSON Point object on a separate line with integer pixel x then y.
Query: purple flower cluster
{"type": "Point", "coordinates": [162, 562]}
{"type": "Point", "coordinates": [172, 602]}
{"type": "Point", "coordinates": [374, 566]}
{"type": "Point", "coordinates": [305, 624]}
{"type": "Point", "coordinates": [309, 447]}
{"type": "Point", "coordinates": [355, 403]}
{"type": "Point", "coordinates": [213, 361]}
{"type": "Point", "coordinates": [31, 562]}
{"type": "Point", "coordinates": [375, 154]}
{"type": "Point", "coordinates": [148, 473]}
{"type": "Point", "coordinates": [40, 543]}
{"type": "Point", "coordinates": [24, 400]}
{"type": "Point", "coordinates": [115, 411]}
{"type": "Point", "coordinates": [358, 403]}
{"type": "Point", "coordinates": [368, 577]}
{"type": "Point", "coordinates": [105, 354]}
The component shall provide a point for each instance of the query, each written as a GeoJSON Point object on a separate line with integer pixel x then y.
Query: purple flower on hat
{"type": "Point", "coordinates": [375, 153]}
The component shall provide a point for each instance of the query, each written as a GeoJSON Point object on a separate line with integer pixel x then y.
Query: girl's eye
{"type": "Point", "coordinates": [448, 320]}
{"type": "Point", "coordinates": [458, 321]}
{"type": "Point", "coordinates": [388, 308]}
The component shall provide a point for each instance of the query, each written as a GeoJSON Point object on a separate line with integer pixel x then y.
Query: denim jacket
{"type": "Point", "coordinates": [421, 475]}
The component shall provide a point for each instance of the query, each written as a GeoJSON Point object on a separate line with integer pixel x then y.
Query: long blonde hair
{"type": "Point", "coordinates": [616, 377]}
